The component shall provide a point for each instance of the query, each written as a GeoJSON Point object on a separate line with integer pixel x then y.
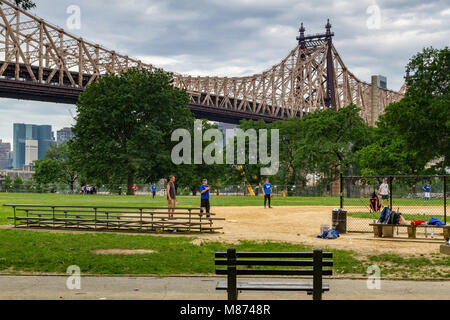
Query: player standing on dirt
{"type": "Point", "coordinates": [267, 187]}
{"type": "Point", "coordinates": [204, 191]}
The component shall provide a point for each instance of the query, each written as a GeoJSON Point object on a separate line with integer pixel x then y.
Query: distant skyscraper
{"type": "Point", "coordinates": [31, 151]}
{"type": "Point", "coordinates": [23, 132]}
{"type": "Point", "coordinates": [64, 135]}
{"type": "Point", "coordinates": [5, 155]}
{"type": "Point", "coordinates": [382, 82]}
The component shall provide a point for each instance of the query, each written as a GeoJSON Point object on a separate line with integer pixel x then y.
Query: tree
{"type": "Point", "coordinates": [330, 140]}
{"type": "Point", "coordinates": [422, 118]}
{"type": "Point", "coordinates": [24, 4]}
{"type": "Point", "coordinates": [18, 183]}
{"type": "Point", "coordinates": [389, 154]}
{"type": "Point", "coordinates": [47, 171]}
{"type": "Point", "coordinates": [192, 175]}
{"type": "Point", "coordinates": [430, 73]}
{"type": "Point", "coordinates": [8, 182]}
{"type": "Point", "coordinates": [124, 127]}
{"type": "Point", "coordinates": [57, 167]}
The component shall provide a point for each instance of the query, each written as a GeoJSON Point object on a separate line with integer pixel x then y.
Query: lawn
{"type": "Point", "coordinates": [31, 251]}
{"type": "Point", "coordinates": [183, 201]}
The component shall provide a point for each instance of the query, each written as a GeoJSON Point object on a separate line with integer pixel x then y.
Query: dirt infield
{"type": "Point", "coordinates": [302, 225]}
{"type": "Point", "coordinates": [297, 225]}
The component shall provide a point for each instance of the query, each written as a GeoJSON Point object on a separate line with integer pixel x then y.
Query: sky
{"type": "Point", "coordinates": [239, 37]}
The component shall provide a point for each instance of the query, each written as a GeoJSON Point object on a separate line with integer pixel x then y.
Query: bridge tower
{"type": "Point", "coordinates": [308, 42]}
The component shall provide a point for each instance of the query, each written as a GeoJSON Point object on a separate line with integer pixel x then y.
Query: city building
{"type": "Point", "coordinates": [25, 175]}
{"type": "Point", "coordinates": [64, 135]}
{"type": "Point", "coordinates": [382, 81]}
{"type": "Point", "coordinates": [5, 155]}
{"type": "Point", "coordinates": [31, 151]}
{"type": "Point", "coordinates": [23, 132]}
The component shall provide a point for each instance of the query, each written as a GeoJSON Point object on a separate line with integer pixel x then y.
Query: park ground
{"type": "Point", "coordinates": [292, 225]}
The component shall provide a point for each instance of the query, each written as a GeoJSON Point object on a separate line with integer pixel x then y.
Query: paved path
{"type": "Point", "coordinates": [201, 288]}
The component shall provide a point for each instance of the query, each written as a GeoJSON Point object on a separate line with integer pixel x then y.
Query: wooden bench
{"type": "Point", "coordinates": [314, 260]}
{"type": "Point", "coordinates": [387, 230]}
{"type": "Point", "coordinates": [143, 219]}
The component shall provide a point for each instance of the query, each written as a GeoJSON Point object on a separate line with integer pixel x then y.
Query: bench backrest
{"type": "Point", "coordinates": [314, 260]}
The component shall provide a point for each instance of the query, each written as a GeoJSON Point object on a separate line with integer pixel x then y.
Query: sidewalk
{"type": "Point", "coordinates": [203, 288]}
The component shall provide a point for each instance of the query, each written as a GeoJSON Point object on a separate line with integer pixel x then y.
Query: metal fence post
{"type": "Point", "coordinates": [341, 190]}
{"type": "Point", "coordinates": [445, 199]}
{"type": "Point", "coordinates": [390, 192]}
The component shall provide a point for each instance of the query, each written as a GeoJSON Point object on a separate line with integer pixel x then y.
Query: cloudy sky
{"type": "Point", "coordinates": [241, 37]}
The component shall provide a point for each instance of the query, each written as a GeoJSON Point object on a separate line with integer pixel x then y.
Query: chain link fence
{"type": "Point", "coordinates": [417, 198]}
{"type": "Point", "coordinates": [318, 190]}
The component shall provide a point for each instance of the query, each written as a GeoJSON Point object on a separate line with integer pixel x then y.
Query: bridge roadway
{"type": "Point", "coordinates": [26, 89]}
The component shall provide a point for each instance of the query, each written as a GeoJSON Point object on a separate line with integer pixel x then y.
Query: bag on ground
{"type": "Point", "coordinates": [384, 216]}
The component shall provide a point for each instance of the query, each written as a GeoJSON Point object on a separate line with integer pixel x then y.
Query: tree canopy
{"type": "Point", "coordinates": [415, 130]}
{"type": "Point", "coordinates": [24, 4]}
{"type": "Point", "coordinates": [124, 126]}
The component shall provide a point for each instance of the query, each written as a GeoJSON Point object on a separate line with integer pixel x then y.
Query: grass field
{"type": "Point", "coordinates": [42, 252]}
{"type": "Point", "coordinates": [183, 201]}
{"type": "Point", "coordinates": [46, 252]}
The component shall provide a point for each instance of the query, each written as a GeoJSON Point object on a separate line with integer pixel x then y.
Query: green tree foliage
{"type": "Point", "coordinates": [192, 175]}
{"type": "Point", "coordinates": [329, 141]}
{"type": "Point", "coordinates": [58, 166]}
{"type": "Point", "coordinates": [24, 4]}
{"type": "Point", "coordinates": [47, 171]}
{"type": "Point", "coordinates": [18, 183]}
{"type": "Point", "coordinates": [124, 127]}
{"type": "Point", "coordinates": [389, 154]}
{"type": "Point", "coordinates": [416, 129]}
{"type": "Point", "coordinates": [324, 142]}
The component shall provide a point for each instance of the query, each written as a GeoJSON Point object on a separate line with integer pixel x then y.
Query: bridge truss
{"type": "Point", "coordinates": [40, 61]}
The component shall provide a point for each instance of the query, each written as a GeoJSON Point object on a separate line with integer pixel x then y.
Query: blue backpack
{"type": "Point", "coordinates": [435, 222]}
{"type": "Point", "coordinates": [384, 216]}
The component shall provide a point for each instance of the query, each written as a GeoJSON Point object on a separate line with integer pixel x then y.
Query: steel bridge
{"type": "Point", "coordinates": [42, 62]}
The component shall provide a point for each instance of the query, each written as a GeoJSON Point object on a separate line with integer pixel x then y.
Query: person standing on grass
{"type": "Point", "coordinates": [171, 196]}
{"type": "Point", "coordinates": [267, 187]}
{"type": "Point", "coordinates": [153, 190]}
{"type": "Point", "coordinates": [204, 192]}
{"type": "Point", "coordinates": [134, 189]}
{"type": "Point", "coordinates": [427, 189]}
{"type": "Point", "coordinates": [384, 192]}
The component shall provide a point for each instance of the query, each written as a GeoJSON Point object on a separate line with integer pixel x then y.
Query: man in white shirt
{"type": "Point", "coordinates": [384, 192]}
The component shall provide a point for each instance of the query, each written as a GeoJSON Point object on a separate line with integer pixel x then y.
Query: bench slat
{"type": "Point", "coordinates": [274, 255]}
{"type": "Point", "coordinates": [272, 286]}
{"type": "Point", "coordinates": [258, 262]}
{"type": "Point", "coordinates": [275, 272]}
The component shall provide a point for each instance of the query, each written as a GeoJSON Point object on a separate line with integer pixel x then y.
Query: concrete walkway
{"type": "Point", "coordinates": [202, 288]}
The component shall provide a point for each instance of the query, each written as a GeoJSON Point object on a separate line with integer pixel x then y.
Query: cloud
{"type": "Point", "coordinates": [243, 37]}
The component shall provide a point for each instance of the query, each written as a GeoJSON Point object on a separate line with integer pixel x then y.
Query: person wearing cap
{"type": "Point", "coordinates": [204, 191]}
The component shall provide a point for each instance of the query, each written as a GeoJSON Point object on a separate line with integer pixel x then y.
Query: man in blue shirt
{"type": "Point", "coordinates": [153, 190]}
{"type": "Point", "coordinates": [427, 189]}
{"type": "Point", "coordinates": [267, 187]}
{"type": "Point", "coordinates": [204, 191]}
